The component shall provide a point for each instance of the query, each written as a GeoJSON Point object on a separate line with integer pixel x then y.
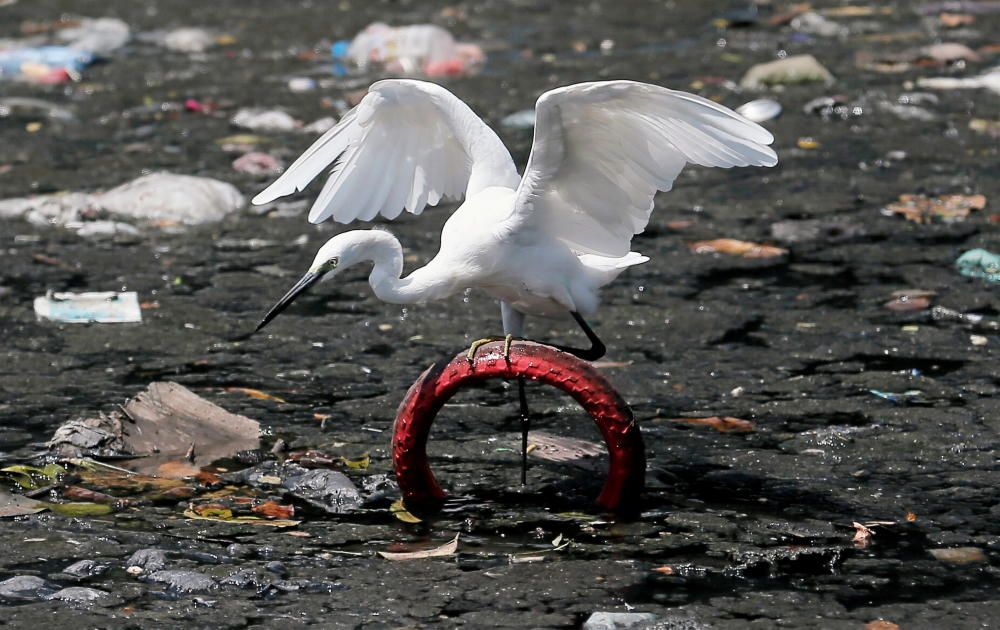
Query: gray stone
{"type": "Point", "coordinates": [184, 581]}
{"type": "Point", "coordinates": [613, 620]}
{"type": "Point", "coordinates": [27, 588]}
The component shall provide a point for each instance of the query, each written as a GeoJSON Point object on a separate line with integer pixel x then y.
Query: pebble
{"type": "Point", "coordinates": [84, 595]}
{"type": "Point", "coordinates": [85, 569]}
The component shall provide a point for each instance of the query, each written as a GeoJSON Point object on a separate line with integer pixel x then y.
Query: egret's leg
{"type": "Point", "coordinates": [596, 349]}
{"type": "Point", "coordinates": [513, 326]}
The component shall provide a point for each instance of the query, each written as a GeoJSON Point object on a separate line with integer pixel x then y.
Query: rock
{"type": "Point", "coordinates": [84, 595]}
{"type": "Point", "coordinates": [147, 560]}
{"type": "Point", "coordinates": [184, 581]}
{"type": "Point", "coordinates": [959, 555]}
{"type": "Point", "coordinates": [790, 70]}
{"type": "Point", "coordinates": [613, 620]}
{"type": "Point", "coordinates": [26, 588]}
{"type": "Point", "coordinates": [86, 569]}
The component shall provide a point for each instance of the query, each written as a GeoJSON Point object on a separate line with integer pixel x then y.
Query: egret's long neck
{"type": "Point", "coordinates": [426, 283]}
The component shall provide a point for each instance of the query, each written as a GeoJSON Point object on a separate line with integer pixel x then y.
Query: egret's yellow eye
{"type": "Point", "coordinates": [330, 264]}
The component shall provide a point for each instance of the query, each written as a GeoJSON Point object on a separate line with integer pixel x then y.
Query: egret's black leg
{"type": "Point", "coordinates": [525, 425]}
{"type": "Point", "coordinates": [597, 348]}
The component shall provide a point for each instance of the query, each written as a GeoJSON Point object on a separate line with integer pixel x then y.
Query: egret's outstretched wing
{"type": "Point", "coordinates": [406, 145]}
{"type": "Point", "coordinates": [602, 150]}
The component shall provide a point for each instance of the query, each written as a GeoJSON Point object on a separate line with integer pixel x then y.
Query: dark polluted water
{"type": "Point", "coordinates": [855, 480]}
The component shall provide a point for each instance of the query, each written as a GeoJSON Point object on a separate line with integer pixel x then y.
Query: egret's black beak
{"type": "Point", "coordinates": [300, 287]}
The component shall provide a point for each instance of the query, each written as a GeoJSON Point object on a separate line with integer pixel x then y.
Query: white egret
{"type": "Point", "coordinates": [543, 243]}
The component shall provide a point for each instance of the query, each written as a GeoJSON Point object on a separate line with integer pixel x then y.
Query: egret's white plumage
{"type": "Point", "coordinates": [544, 243]}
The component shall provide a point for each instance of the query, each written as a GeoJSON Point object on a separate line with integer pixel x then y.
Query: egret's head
{"type": "Point", "coordinates": [340, 252]}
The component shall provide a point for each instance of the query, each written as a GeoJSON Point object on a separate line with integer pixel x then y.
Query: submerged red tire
{"type": "Point", "coordinates": [537, 362]}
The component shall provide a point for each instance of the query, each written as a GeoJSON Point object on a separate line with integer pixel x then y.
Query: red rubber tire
{"type": "Point", "coordinates": [627, 460]}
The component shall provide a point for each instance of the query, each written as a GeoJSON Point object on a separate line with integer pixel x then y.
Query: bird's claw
{"type": "Point", "coordinates": [470, 356]}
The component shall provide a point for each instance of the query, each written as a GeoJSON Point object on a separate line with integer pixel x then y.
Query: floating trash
{"type": "Point", "coordinates": [979, 263]}
{"type": "Point", "coordinates": [524, 119]}
{"type": "Point", "coordinates": [790, 70]}
{"type": "Point", "coordinates": [989, 80]}
{"type": "Point", "coordinates": [264, 120]}
{"type": "Point", "coordinates": [945, 209]}
{"type": "Point", "coordinates": [417, 49]}
{"type": "Point", "coordinates": [760, 110]}
{"type": "Point", "coordinates": [86, 308]}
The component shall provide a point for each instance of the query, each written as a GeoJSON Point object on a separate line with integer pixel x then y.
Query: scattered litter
{"type": "Point", "coordinates": [98, 36]}
{"type": "Point", "coordinates": [809, 144]}
{"type": "Point", "coordinates": [960, 555]}
{"type": "Point", "coordinates": [556, 448]}
{"type": "Point", "coordinates": [760, 110]}
{"type": "Point", "coordinates": [815, 24]}
{"type": "Point", "coordinates": [447, 549]}
{"type": "Point", "coordinates": [43, 64]}
{"type": "Point", "coordinates": [909, 395]}
{"type": "Point", "coordinates": [86, 308]}
{"type": "Point", "coordinates": [23, 107]}
{"type": "Point", "coordinates": [398, 509]}
{"type": "Point", "coordinates": [302, 84]}
{"type": "Point", "coordinates": [979, 263]}
{"type": "Point", "coordinates": [790, 70]}
{"type": "Point", "coordinates": [910, 300]}
{"type": "Point", "coordinates": [722, 424]}
{"type": "Point", "coordinates": [734, 247]}
{"type": "Point", "coordinates": [241, 142]}
{"type": "Point", "coordinates": [257, 164]}
{"type": "Point", "coordinates": [417, 49]}
{"type": "Point", "coordinates": [189, 40]}
{"type": "Point", "coordinates": [524, 119]}
{"type": "Point", "coordinates": [255, 393]}
{"type": "Point", "coordinates": [320, 125]}
{"type": "Point", "coordinates": [986, 127]}
{"type": "Point", "coordinates": [257, 119]}
{"type": "Point", "coordinates": [989, 80]}
{"type": "Point", "coordinates": [949, 52]}
{"type": "Point", "coordinates": [862, 535]}
{"type": "Point", "coordinates": [947, 209]}
{"type": "Point", "coordinates": [162, 425]}
{"type": "Point", "coordinates": [329, 490]}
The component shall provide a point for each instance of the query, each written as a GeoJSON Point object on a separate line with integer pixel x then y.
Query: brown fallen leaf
{"type": "Point", "coordinates": [242, 520]}
{"type": "Point", "coordinates": [272, 509]}
{"type": "Point", "coordinates": [447, 549]}
{"type": "Point", "coordinates": [910, 517]}
{"type": "Point", "coordinates": [735, 247]}
{"type": "Point", "coordinates": [723, 424]}
{"type": "Point", "coordinates": [17, 505]}
{"type": "Point", "coordinates": [881, 624]}
{"type": "Point", "coordinates": [856, 11]}
{"type": "Point", "coordinates": [86, 495]}
{"type": "Point", "coordinates": [665, 569]}
{"type": "Point", "coordinates": [862, 535]}
{"type": "Point", "coordinates": [255, 393]}
{"type": "Point", "coordinates": [178, 469]}
{"type": "Point", "coordinates": [947, 209]}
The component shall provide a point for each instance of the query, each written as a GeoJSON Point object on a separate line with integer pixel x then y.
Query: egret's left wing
{"type": "Point", "coordinates": [602, 150]}
{"type": "Point", "coordinates": [406, 145]}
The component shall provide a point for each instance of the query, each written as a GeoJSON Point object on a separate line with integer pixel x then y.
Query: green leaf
{"type": "Point", "coordinates": [79, 509]}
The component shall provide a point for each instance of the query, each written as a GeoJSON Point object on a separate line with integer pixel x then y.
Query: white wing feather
{"type": "Point", "coordinates": [602, 150]}
{"type": "Point", "coordinates": [407, 144]}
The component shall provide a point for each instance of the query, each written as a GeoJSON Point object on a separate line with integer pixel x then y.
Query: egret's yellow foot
{"type": "Point", "coordinates": [470, 356]}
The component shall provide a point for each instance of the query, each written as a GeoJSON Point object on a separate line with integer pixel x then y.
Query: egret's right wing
{"type": "Point", "coordinates": [602, 150]}
{"type": "Point", "coordinates": [406, 145]}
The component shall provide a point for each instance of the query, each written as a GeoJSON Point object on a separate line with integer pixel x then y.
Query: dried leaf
{"type": "Point", "coordinates": [946, 209]}
{"type": "Point", "coordinates": [910, 300]}
{"type": "Point", "coordinates": [399, 511]}
{"type": "Point", "coordinates": [990, 128]}
{"type": "Point", "coordinates": [255, 393]}
{"type": "Point", "coordinates": [357, 464]}
{"type": "Point", "coordinates": [881, 624]}
{"type": "Point", "coordinates": [665, 569]}
{"type": "Point", "coordinates": [80, 509]}
{"type": "Point", "coordinates": [723, 424]}
{"type": "Point", "coordinates": [856, 11]}
{"type": "Point", "coordinates": [557, 448]}
{"type": "Point", "coordinates": [910, 517]}
{"type": "Point", "coordinates": [735, 247]}
{"type": "Point", "coordinates": [242, 520]}
{"type": "Point", "coordinates": [86, 495]}
{"type": "Point", "coordinates": [446, 549]}
{"type": "Point", "coordinates": [17, 505]}
{"type": "Point", "coordinates": [176, 470]}
{"type": "Point", "coordinates": [273, 509]}
{"type": "Point", "coordinates": [953, 20]}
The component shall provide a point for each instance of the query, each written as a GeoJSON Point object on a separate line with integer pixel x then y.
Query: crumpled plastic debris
{"type": "Point", "coordinates": [98, 36]}
{"type": "Point", "coordinates": [790, 70]}
{"type": "Point", "coordinates": [158, 199]}
{"type": "Point", "coordinates": [257, 164]}
{"type": "Point", "coordinates": [43, 64]}
{"type": "Point", "coordinates": [979, 263]}
{"type": "Point", "coordinates": [85, 308]}
{"type": "Point", "coordinates": [523, 119]}
{"type": "Point", "coordinates": [416, 49]}
{"type": "Point", "coordinates": [815, 24]}
{"type": "Point", "coordinates": [257, 119]}
{"type": "Point", "coordinates": [946, 209]}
